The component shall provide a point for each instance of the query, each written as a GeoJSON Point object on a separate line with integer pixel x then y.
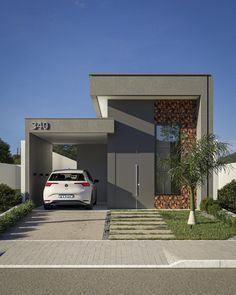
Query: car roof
{"type": "Point", "coordinates": [68, 171]}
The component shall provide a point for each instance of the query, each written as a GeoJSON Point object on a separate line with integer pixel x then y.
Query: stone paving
{"type": "Point", "coordinates": [64, 223]}
{"type": "Point", "coordinates": [138, 225]}
{"type": "Point", "coordinates": [24, 253]}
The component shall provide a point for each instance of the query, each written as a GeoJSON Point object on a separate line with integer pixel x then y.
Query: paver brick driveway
{"type": "Point", "coordinates": [59, 224]}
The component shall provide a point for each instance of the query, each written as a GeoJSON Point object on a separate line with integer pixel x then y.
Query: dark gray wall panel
{"type": "Point", "coordinates": [133, 143]}
{"type": "Point", "coordinates": [93, 157]}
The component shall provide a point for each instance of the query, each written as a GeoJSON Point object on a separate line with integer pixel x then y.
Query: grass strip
{"type": "Point", "coordinates": [205, 229]}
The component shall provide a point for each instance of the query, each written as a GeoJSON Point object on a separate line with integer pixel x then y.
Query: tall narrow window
{"type": "Point", "coordinates": [167, 140]}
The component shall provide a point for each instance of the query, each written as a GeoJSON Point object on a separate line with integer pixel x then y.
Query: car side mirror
{"type": "Point", "coordinates": [96, 181]}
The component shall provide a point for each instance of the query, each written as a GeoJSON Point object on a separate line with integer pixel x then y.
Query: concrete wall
{"type": "Point", "coordinates": [227, 176]}
{"type": "Point", "coordinates": [10, 175]}
{"type": "Point", "coordinates": [62, 162]}
{"type": "Point", "coordinates": [40, 166]}
{"type": "Point", "coordinates": [93, 157]}
{"type": "Point", "coordinates": [133, 143]}
{"type": "Point", "coordinates": [224, 177]}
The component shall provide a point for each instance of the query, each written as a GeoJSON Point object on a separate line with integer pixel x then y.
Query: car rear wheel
{"type": "Point", "coordinates": [90, 206]}
{"type": "Point", "coordinates": [47, 207]}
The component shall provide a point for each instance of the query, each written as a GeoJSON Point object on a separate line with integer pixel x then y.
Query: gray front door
{"type": "Point", "coordinates": [134, 180]}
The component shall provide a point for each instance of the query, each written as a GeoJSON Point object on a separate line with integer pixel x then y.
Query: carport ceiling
{"type": "Point", "coordinates": [73, 137]}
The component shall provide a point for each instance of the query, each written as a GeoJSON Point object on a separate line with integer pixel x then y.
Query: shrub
{"type": "Point", "coordinates": [227, 196]}
{"type": "Point", "coordinates": [203, 204]}
{"type": "Point", "coordinates": [213, 209]}
{"type": "Point", "coordinates": [10, 218]}
{"type": "Point", "coordinates": [225, 217]}
{"type": "Point", "coordinates": [207, 203]}
{"type": "Point", "coordinates": [8, 197]}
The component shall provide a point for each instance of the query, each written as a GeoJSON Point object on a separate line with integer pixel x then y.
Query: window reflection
{"type": "Point", "coordinates": [167, 141]}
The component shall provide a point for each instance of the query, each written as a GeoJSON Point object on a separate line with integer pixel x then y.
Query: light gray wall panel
{"type": "Point", "coordinates": [40, 156]}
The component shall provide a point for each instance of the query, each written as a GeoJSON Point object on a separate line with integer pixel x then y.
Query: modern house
{"type": "Point", "coordinates": [139, 117]}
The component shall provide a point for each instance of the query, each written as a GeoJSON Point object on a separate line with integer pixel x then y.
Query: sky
{"type": "Point", "coordinates": [48, 48]}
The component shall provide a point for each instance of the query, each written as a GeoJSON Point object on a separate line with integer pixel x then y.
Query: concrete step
{"type": "Point", "coordinates": [142, 237]}
{"type": "Point", "coordinates": [135, 219]}
{"type": "Point", "coordinates": [136, 216]}
{"type": "Point", "coordinates": [140, 232]}
{"type": "Point", "coordinates": [134, 210]}
{"type": "Point", "coordinates": [131, 223]}
{"type": "Point", "coordinates": [138, 227]}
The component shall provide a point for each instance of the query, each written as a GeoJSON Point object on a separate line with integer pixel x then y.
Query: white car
{"type": "Point", "coordinates": [70, 187]}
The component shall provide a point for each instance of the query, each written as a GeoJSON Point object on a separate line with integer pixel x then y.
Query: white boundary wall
{"type": "Point", "coordinates": [14, 175]}
{"type": "Point", "coordinates": [61, 162]}
{"type": "Point", "coordinates": [223, 178]}
{"type": "Point", "coordinates": [10, 175]}
{"type": "Point", "coordinates": [226, 177]}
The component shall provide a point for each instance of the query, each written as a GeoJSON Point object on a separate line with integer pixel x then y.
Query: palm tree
{"type": "Point", "coordinates": [198, 161]}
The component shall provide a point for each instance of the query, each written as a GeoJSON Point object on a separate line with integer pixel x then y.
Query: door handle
{"type": "Point", "coordinates": [136, 180]}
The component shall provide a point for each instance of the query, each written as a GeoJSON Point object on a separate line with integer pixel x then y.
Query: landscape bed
{"type": "Point", "coordinates": [207, 228]}
{"type": "Point", "coordinates": [166, 225]}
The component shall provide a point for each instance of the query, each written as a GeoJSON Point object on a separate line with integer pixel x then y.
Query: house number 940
{"type": "Point", "coordinates": [40, 125]}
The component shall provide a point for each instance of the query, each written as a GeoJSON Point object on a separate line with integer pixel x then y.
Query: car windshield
{"type": "Point", "coordinates": [67, 177]}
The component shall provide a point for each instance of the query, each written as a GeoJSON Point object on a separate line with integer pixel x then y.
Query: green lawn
{"type": "Point", "coordinates": [205, 229]}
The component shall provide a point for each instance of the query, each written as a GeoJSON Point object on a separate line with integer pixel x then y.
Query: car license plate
{"type": "Point", "coordinates": [66, 196]}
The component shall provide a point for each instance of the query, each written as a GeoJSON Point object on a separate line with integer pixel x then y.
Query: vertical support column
{"type": "Point", "coordinates": [22, 179]}
{"type": "Point", "coordinates": [111, 179]}
{"type": "Point", "coordinates": [205, 126]}
{"type": "Point", "coordinates": [39, 166]}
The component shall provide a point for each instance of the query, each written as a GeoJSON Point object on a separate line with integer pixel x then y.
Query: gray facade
{"type": "Point", "coordinates": [118, 147]}
{"type": "Point", "coordinates": [132, 144]}
{"type": "Point", "coordinates": [93, 157]}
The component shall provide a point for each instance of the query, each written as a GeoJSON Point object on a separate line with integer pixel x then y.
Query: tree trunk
{"type": "Point", "coordinates": [192, 216]}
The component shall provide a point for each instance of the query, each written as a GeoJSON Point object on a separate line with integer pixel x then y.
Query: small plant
{"type": "Point", "coordinates": [227, 196]}
{"type": "Point", "coordinates": [203, 204]}
{"type": "Point", "coordinates": [207, 203]}
{"type": "Point", "coordinates": [213, 209]}
{"type": "Point", "coordinates": [12, 216]}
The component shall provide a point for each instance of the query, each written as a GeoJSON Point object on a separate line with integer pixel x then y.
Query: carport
{"type": "Point", "coordinates": [89, 134]}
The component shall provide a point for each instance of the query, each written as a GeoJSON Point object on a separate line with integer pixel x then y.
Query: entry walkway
{"type": "Point", "coordinates": [63, 223]}
{"type": "Point", "coordinates": [138, 224]}
{"type": "Point", "coordinates": [118, 254]}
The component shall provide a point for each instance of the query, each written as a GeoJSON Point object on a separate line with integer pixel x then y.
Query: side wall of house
{"type": "Point", "coordinates": [93, 157]}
